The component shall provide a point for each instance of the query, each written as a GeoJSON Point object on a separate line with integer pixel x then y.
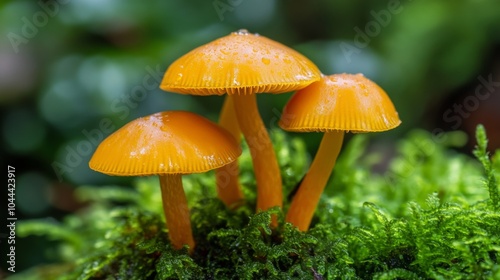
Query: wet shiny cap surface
{"type": "Point", "coordinates": [340, 102]}
{"type": "Point", "coordinates": [174, 142]}
{"type": "Point", "coordinates": [240, 63]}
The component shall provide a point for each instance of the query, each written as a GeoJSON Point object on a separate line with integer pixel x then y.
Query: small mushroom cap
{"type": "Point", "coordinates": [340, 102]}
{"type": "Point", "coordinates": [173, 142]}
{"type": "Point", "coordinates": [240, 63]}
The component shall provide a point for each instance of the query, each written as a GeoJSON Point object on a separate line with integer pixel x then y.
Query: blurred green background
{"type": "Point", "coordinates": [73, 71]}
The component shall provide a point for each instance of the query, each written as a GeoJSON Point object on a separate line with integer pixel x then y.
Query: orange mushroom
{"type": "Point", "coordinates": [244, 64]}
{"type": "Point", "coordinates": [228, 187]}
{"type": "Point", "coordinates": [334, 105]}
{"type": "Point", "coordinates": [167, 144]}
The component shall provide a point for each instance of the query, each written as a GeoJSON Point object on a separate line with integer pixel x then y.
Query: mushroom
{"type": "Point", "coordinates": [168, 144]}
{"type": "Point", "coordinates": [244, 64]}
{"type": "Point", "coordinates": [228, 187]}
{"type": "Point", "coordinates": [334, 105]}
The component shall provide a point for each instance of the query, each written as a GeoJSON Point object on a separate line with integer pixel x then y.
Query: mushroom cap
{"type": "Point", "coordinates": [340, 102]}
{"type": "Point", "coordinates": [240, 63]}
{"type": "Point", "coordinates": [173, 142]}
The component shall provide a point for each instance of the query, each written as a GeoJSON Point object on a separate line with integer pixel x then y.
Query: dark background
{"type": "Point", "coordinates": [73, 71]}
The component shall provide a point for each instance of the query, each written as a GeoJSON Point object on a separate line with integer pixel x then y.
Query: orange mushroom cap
{"type": "Point", "coordinates": [340, 102]}
{"type": "Point", "coordinates": [173, 142]}
{"type": "Point", "coordinates": [240, 63]}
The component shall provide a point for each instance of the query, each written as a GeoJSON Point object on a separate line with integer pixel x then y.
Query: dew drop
{"type": "Point", "coordinates": [241, 32]}
{"type": "Point", "coordinates": [266, 61]}
{"type": "Point", "coordinates": [179, 77]}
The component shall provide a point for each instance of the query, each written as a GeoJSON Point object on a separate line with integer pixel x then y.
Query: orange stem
{"type": "Point", "coordinates": [176, 211]}
{"type": "Point", "coordinates": [228, 187]}
{"type": "Point", "coordinates": [307, 197]}
{"type": "Point", "coordinates": [267, 172]}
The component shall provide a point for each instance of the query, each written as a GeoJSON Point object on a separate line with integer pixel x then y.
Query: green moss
{"type": "Point", "coordinates": [432, 215]}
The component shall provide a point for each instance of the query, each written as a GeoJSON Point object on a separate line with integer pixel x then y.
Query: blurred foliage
{"type": "Point", "coordinates": [362, 231]}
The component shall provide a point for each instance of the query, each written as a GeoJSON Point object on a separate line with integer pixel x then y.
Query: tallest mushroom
{"type": "Point", "coordinates": [243, 64]}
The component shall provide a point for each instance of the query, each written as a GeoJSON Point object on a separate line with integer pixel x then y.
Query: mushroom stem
{"type": "Point", "coordinates": [307, 197]}
{"type": "Point", "coordinates": [176, 211]}
{"type": "Point", "coordinates": [228, 187]}
{"type": "Point", "coordinates": [265, 164]}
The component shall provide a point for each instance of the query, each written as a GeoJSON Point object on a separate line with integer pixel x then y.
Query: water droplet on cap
{"type": "Point", "coordinates": [241, 32]}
